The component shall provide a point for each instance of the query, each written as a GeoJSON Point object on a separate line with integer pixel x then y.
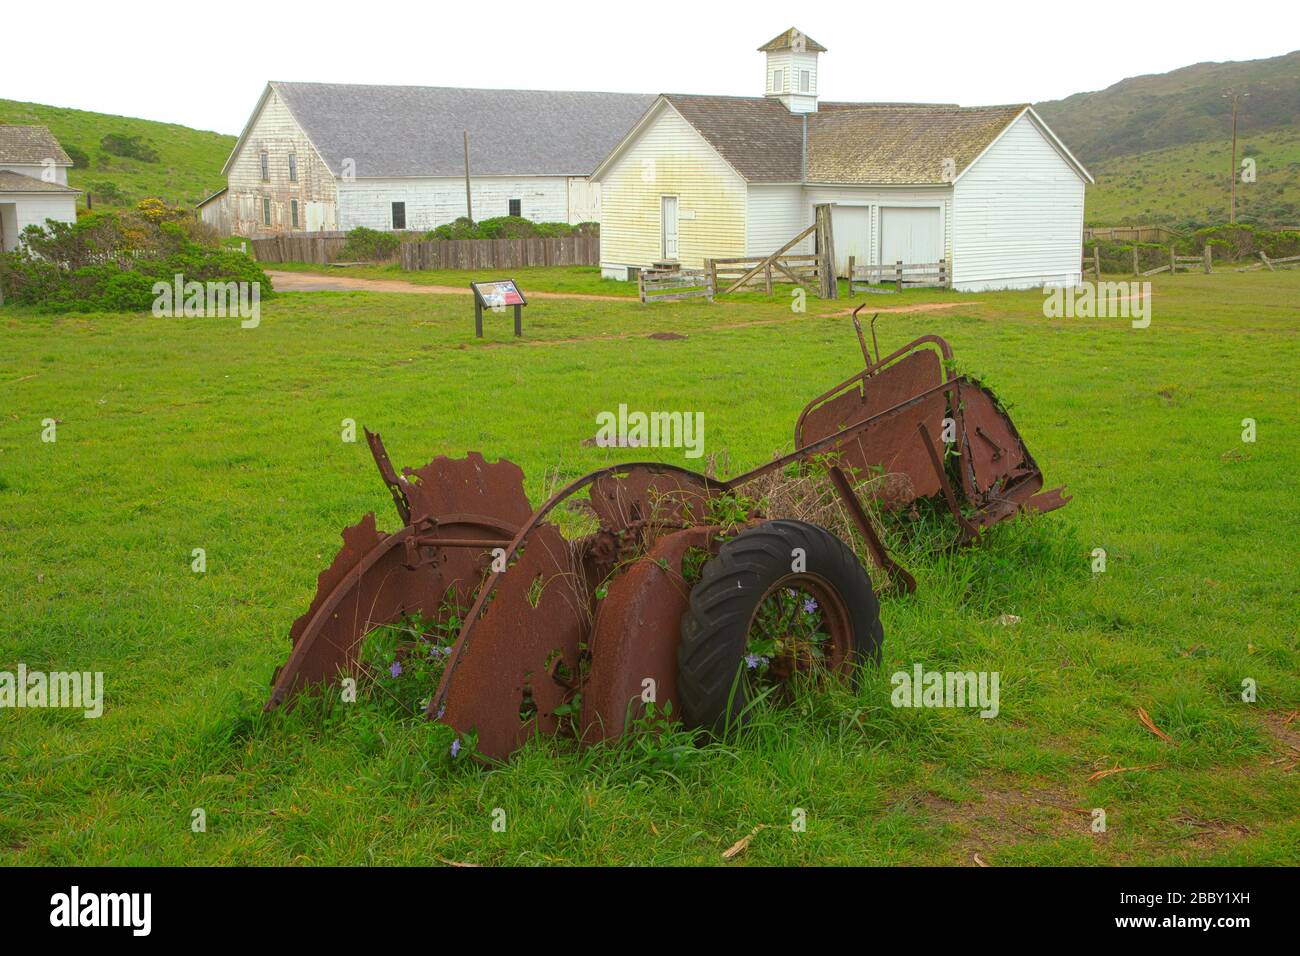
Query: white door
{"type": "Point", "coordinates": [669, 212]}
{"type": "Point", "coordinates": [910, 234]}
{"type": "Point", "coordinates": [852, 236]}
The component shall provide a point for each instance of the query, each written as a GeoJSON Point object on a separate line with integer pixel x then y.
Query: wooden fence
{"type": "Point", "coordinates": [501, 253]}
{"type": "Point", "coordinates": [1131, 233]}
{"type": "Point", "coordinates": [746, 271]}
{"type": "Point", "coordinates": [863, 277]}
{"type": "Point", "coordinates": [322, 248]}
{"type": "Point", "coordinates": [319, 248]}
{"type": "Point", "coordinates": [667, 285]}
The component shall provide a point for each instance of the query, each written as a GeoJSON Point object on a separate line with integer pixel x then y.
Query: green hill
{"type": "Point", "coordinates": [1188, 185]}
{"type": "Point", "coordinates": [187, 166]}
{"type": "Point", "coordinates": [1159, 144]}
{"type": "Point", "coordinates": [1183, 106]}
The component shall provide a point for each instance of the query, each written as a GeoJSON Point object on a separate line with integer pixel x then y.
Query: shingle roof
{"type": "Point", "coordinates": [416, 130]}
{"type": "Point", "coordinates": [758, 136]}
{"type": "Point", "coordinates": [787, 40]}
{"type": "Point", "coordinates": [894, 145]}
{"type": "Point", "coordinates": [856, 143]}
{"type": "Point", "coordinates": [11, 182]}
{"type": "Point", "coordinates": [30, 146]}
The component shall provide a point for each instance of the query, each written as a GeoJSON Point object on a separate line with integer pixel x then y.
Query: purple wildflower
{"type": "Point", "coordinates": [809, 606]}
{"type": "Point", "coordinates": [442, 710]}
{"type": "Point", "coordinates": [455, 747]}
{"type": "Point", "coordinates": [396, 669]}
{"type": "Point", "coordinates": [753, 660]}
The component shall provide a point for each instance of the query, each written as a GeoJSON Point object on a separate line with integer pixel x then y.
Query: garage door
{"type": "Point", "coordinates": [852, 227]}
{"type": "Point", "coordinates": [910, 234]}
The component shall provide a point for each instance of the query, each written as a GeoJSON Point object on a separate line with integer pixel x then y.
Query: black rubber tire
{"type": "Point", "coordinates": [715, 625]}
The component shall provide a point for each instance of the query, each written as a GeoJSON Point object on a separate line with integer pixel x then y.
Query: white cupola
{"type": "Point", "coordinates": [792, 70]}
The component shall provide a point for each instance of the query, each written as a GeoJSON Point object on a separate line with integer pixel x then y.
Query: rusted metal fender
{"type": "Point", "coordinates": [367, 584]}
{"type": "Point", "coordinates": [531, 617]}
{"type": "Point", "coordinates": [635, 638]}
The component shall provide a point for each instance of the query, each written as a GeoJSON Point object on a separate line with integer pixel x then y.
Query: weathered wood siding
{"type": "Point", "coordinates": [776, 214]}
{"type": "Point", "coordinates": [19, 210]}
{"type": "Point", "coordinates": [1019, 215]}
{"type": "Point", "coordinates": [669, 158]}
{"type": "Point", "coordinates": [37, 171]}
{"type": "Point", "coordinates": [276, 131]}
{"type": "Point", "coordinates": [435, 201]}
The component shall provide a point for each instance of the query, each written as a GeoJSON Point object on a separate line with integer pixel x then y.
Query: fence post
{"type": "Point", "coordinates": [1096, 262]}
{"type": "Point", "coordinates": [1208, 257]}
{"type": "Point", "coordinates": [852, 261]}
{"type": "Point", "coordinates": [898, 274]}
{"type": "Point", "coordinates": [1135, 259]}
{"type": "Point", "coordinates": [1173, 261]}
{"type": "Point", "coordinates": [944, 278]}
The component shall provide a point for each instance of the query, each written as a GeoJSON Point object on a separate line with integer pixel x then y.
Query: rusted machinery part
{"type": "Point", "coordinates": [461, 509]}
{"type": "Point", "coordinates": [918, 346]}
{"type": "Point", "coordinates": [367, 584]}
{"type": "Point", "coordinates": [500, 652]}
{"type": "Point", "coordinates": [524, 660]}
{"type": "Point", "coordinates": [634, 639]}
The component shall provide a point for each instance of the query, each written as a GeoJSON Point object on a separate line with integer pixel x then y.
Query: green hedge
{"type": "Point", "coordinates": [103, 263]}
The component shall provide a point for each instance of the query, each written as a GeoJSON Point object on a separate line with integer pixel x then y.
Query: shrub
{"type": "Point", "coordinates": [369, 245]}
{"type": "Point", "coordinates": [107, 263]}
{"type": "Point", "coordinates": [131, 147]}
{"type": "Point", "coordinates": [80, 160]}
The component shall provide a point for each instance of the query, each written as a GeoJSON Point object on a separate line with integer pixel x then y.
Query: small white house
{"type": "Point", "coordinates": [324, 156]}
{"type": "Point", "coordinates": [33, 182]}
{"type": "Point", "coordinates": [989, 189]}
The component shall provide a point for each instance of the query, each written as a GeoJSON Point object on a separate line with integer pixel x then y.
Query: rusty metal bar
{"type": "Point", "coordinates": [897, 573]}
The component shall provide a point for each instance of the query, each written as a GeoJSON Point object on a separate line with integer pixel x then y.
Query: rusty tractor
{"type": "Point", "coordinates": [662, 601]}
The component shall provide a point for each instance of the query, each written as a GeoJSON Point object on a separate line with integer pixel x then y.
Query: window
{"type": "Point", "coordinates": [777, 80]}
{"type": "Point", "coordinates": [805, 85]}
{"type": "Point", "coordinates": [293, 212]}
{"type": "Point", "coordinates": [266, 211]}
{"type": "Point", "coordinates": [293, 168]}
{"type": "Point", "coordinates": [266, 167]}
{"type": "Point", "coordinates": [516, 207]}
{"type": "Point", "coordinates": [399, 215]}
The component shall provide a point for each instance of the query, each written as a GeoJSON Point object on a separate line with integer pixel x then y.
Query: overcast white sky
{"type": "Point", "coordinates": [204, 65]}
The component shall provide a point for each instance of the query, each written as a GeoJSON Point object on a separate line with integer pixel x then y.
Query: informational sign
{"type": "Point", "coordinates": [497, 295]}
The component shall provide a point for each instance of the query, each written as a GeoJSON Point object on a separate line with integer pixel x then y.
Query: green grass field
{"type": "Point", "coordinates": [195, 433]}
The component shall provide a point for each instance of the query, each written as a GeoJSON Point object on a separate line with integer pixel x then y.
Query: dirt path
{"type": "Point", "coordinates": [313, 282]}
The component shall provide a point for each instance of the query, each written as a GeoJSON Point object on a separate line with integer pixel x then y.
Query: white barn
{"type": "Point", "coordinates": [33, 182]}
{"type": "Point", "coordinates": [323, 156]}
{"type": "Point", "coordinates": [990, 189]}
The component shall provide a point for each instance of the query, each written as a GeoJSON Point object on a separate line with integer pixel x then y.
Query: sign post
{"type": "Point", "coordinates": [497, 295]}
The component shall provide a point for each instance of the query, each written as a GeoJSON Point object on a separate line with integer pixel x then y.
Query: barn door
{"type": "Point", "coordinates": [669, 213]}
{"type": "Point", "coordinates": [912, 234]}
{"type": "Point", "coordinates": [852, 226]}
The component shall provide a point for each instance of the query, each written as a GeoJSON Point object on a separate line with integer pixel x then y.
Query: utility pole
{"type": "Point", "coordinates": [1232, 200]}
{"type": "Point", "coordinates": [469, 202]}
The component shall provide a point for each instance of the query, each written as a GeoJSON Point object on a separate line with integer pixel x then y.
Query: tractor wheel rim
{"type": "Point", "coordinates": [836, 623]}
